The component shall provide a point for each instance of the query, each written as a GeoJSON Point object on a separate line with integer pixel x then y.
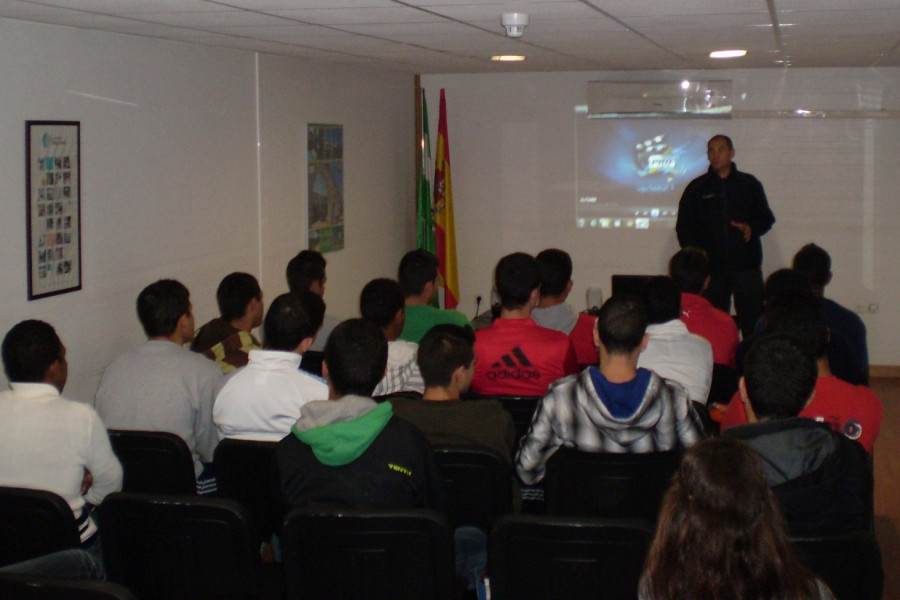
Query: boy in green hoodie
{"type": "Point", "coordinates": [348, 451]}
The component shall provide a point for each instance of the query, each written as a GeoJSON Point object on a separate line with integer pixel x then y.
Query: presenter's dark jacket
{"type": "Point", "coordinates": [708, 206]}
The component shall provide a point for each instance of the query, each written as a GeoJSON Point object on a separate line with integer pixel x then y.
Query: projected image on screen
{"type": "Point", "coordinates": [631, 172]}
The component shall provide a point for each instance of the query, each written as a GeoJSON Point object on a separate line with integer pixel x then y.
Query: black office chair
{"type": "Point", "coordinates": [34, 523]}
{"type": "Point", "coordinates": [29, 587]}
{"type": "Point", "coordinates": [406, 395]}
{"type": "Point", "coordinates": [604, 484]}
{"type": "Point", "coordinates": [312, 362]}
{"type": "Point", "coordinates": [541, 557]}
{"type": "Point", "coordinates": [478, 484]}
{"type": "Point", "coordinates": [849, 563]}
{"type": "Point", "coordinates": [180, 547]}
{"type": "Point", "coordinates": [367, 555]}
{"type": "Point", "coordinates": [246, 472]}
{"type": "Point", "coordinates": [520, 408]}
{"type": "Point", "coordinates": [154, 462]}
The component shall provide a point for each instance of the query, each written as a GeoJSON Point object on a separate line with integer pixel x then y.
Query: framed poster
{"type": "Point", "coordinates": [53, 206]}
{"type": "Point", "coordinates": [325, 168]}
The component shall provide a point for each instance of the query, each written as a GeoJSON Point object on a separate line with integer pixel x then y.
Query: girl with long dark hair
{"type": "Point", "coordinates": [721, 535]}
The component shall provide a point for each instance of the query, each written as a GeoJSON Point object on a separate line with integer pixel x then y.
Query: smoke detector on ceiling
{"type": "Point", "coordinates": [514, 23]}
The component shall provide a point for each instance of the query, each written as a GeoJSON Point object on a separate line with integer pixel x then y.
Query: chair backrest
{"type": "Point", "coordinates": [179, 547]}
{"type": "Point", "coordinates": [849, 563]}
{"type": "Point", "coordinates": [604, 484]}
{"type": "Point", "coordinates": [246, 472]}
{"type": "Point", "coordinates": [29, 587]}
{"type": "Point", "coordinates": [723, 385]}
{"type": "Point", "coordinates": [34, 523]}
{"type": "Point", "coordinates": [154, 462]}
{"type": "Point", "coordinates": [539, 557]}
{"type": "Point", "coordinates": [367, 555]}
{"type": "Point", "coordinates": [520, 408]}
{"type": "Point", "coordinates": [478, 484]}
{"type": "Point", "coordinates": [312, 362]}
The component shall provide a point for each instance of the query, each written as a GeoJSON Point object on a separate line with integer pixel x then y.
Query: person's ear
{"type": "Point", "coordinates": [645, 341]}
{"type": "Point", "coordinates": [304, 345]}
{"type": "Point", "coordinates": [596, 335]}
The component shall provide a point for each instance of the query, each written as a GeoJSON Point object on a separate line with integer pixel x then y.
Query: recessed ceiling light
{"type": "Point", "coordinates": [508, 57]}
{"type": "Point", "coordinates": [727, 53]}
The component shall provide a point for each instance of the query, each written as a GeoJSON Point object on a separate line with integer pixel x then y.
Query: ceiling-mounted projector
{"type": "Point", "coordinates": [685, 98]}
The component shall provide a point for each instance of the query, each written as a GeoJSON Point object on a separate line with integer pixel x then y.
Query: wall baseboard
{"type": "Point", "coordinates": [884, 371]}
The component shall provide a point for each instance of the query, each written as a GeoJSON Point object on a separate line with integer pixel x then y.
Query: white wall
{"type": "Point", "coordinates": [171, 182]}
{"type": "Point", "coordinates": [376, 109]}
{"type": "Point", "coordinates": [832, 181]}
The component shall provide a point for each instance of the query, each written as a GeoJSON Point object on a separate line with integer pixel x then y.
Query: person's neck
{"type": "Point", "coordinates": [822, 367]}
{"type": "Point", "coordinates": [523, 312]}
{"type": "Point", "coordinates": [391, 333]}
{"type": "Point", "coordinates": [724, 171]}
{"type": "Point", "coordinates": [175, 338]}
{"type": "Point", "coordinates": [417, 300]}
{"type": "Point", "coordinates": [244, 323]}
{"type": "Point", "coordinates": [618, 368]}
{"type": "Point", "coordinates": [440, 394]}
{"type": "Point", "coordinates": [548, 301]}
{"type": "Point", "coordinates": [818, 292]}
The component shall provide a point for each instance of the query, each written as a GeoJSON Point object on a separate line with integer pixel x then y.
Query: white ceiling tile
{"type": "Point", "coordinates": [454, 35]}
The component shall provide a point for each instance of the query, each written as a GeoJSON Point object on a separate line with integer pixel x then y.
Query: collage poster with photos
{"type": "Point", "coordinates": [54, 208]}
{"type": "Point", "coordinates": [325, 163]}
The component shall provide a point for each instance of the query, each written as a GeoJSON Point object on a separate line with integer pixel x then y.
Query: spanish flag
{"type": "Point", "coordinates": [444, 228]}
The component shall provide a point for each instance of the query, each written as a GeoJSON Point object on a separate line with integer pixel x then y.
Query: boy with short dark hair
{"type": "Point", "coordinates": [516, 356]}
{"type": "Point", "coordinates": [349, 451]}
{"type": "Point", "coordinates": [228, 339]}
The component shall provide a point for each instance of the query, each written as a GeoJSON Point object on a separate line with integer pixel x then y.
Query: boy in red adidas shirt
{"type": "Point", "coordinates": [515, 356]}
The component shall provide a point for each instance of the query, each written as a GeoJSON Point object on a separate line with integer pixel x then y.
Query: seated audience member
{"type": "Point", "coordinates": [816, 474]}
{"type": "Point", "coordinates": [348, 451]}
{"type": "Point", "coordinates": [46, 441]}
{"type": "Point", "coordinates": [381, 302]}
{"type": "Point", "coordinates": [229, 338]}
{"type": "Point", "coordinates": [74, 563]}
{"type": "Point", "coordinates": [418, 278]}
{"type": "Point", "coordinates": [516, 356]}
{"type": "Point", "coordinates": [784, 286]}
{"type": "Point", "coordinates": [689, 269]}
{"type": "Point", "coordinates": [852, 410]}
{"type": "Point", "coordinates": [672, 351]}
{"type": "Point", "coordinates": [617, 407]}
{"type": "Point", "coordinates": [262, 400]}
{"type": "Point", "coordinates": [553, 312]}
{"type": "Point", "coordinates": [162, 386]}
{"type": "Point", "coordinates": [306, 273]}
{"type": "Point", "coordinates": [721, 535]}
{"type": "Point", "coordinates": [848, 353]}
{"type": "Point", "coordinates": [447, 362]}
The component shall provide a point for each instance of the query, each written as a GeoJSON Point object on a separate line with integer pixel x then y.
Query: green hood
{"type": "Point", "coordinates": [342, 442]}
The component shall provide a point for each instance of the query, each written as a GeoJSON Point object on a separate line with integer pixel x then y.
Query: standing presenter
{"type": "Point", "coordinates": [725, 212]}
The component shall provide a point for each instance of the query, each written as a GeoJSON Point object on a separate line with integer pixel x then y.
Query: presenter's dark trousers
{"type": "Point", "coordinates": [747, 288]}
